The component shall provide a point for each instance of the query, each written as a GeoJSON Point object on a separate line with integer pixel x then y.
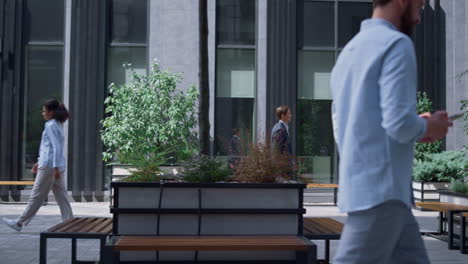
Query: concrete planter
{"type": "Point", "coordinates": [207, 209]}
{"type": "Point", "coordinates": [428, 191]}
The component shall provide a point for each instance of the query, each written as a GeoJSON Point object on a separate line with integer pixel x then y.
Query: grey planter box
{"type": "Point", "coordinates": [207, 209]}
{"type": "Point", "coordinates": [428, 191]}
{"type": "Point", "coordinates": [120, 171]}
{"type": "Point", "coordinates": [454, 198]}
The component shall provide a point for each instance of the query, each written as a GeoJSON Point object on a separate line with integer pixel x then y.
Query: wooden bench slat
{"type": "Point", "coordinates": [322, 225]}
{"type": "Point", "coordinates": [78, 226]}
{"type": "Point", "coordinates": [66, 222]}
{"type": "Point", "coordinates": [322, 185]}
{"type": "Point", "coordinates": [65, 228]}
{"type": "Point", "coordinates": [330, 224]}
{"type": "Point", "coordinates": [87, 225]}
{"type": "Point", "coordinates": [441, 207]}
{"type": "Point", "coordinates": [181, 243]}
{"type": "Point", "coordinates": [108, 229]}
{"type": "Point", "coordinates": [16, 182]}
{"type": "Point", "coordinates": [103, 224]}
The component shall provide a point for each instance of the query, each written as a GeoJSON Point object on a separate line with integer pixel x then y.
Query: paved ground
{"type": "Point", "coordinates": [23, 248]}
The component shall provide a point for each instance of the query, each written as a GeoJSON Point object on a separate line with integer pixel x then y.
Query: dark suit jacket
{"type": "Point", "coordinates": [280, 139]}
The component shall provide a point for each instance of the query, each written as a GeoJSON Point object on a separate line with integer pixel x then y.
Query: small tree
{"type": "Point", "coordinates": [148, 122]}
{"type": "Point", "coordinates": [425, 105]}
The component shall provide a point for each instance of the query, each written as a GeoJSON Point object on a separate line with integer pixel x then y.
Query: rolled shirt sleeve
{"type": "Point", "coordinates": [397, 85]}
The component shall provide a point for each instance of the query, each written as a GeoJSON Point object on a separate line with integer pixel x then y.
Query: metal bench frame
{"type": "Point", "coordinates": [322, 236]}
{"type": "Point", "coordinates": [73, 236]}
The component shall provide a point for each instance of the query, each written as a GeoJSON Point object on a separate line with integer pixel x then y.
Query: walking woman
{"type": "Point", "coordinates": [49, 168]}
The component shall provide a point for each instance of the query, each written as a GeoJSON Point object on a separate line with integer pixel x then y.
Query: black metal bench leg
{"type": "Point", "coordinates": [441, 223]}
{"type": "Point", "coordinates": [335, 196]}
{"type": "Point", "coordinates": [43, 250]}
{"type": "Point", "coordinates": [101, 252]}
{"type": "Point", "coordinates": [73, 251]}
{"type": "Point", "coordinates": [109, 256]}
{"type": "Point", "coordinates": [327, 251]}
{"type": "Point", "coordinates": [463, 250]}
{"type": "Point", "coordinates": [450, 230]}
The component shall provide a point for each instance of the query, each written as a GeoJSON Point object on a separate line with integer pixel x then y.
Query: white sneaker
{"type": "Point", "coordinates": [12, 223]}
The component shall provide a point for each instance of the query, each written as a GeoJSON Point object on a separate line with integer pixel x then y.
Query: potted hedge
{"type": "Point", "coordinates": [257, 197]}
{"type": "Point", "coordinates": [434, 172]}
{"type": "Point", "coordinates": [148, 123]}
{"type": "Point", "coordinates": [458, 191]}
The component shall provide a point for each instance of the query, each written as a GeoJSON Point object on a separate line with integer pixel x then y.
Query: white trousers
{"type": "Point", "coordinates": [45, 181]}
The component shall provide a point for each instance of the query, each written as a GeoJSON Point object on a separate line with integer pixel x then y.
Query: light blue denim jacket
{"type": "Point", "coordinates": [51, 149]}
{"type": "Point", "coordinates": [375, 122]}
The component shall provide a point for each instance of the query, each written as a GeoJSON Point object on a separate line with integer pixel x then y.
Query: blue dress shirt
{"type": "Point", "coordinates": [51, 149]}
{"type": "Point", "coordinates": [374, 84]}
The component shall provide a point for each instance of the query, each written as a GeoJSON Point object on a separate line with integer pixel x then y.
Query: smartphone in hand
{"type": "Point", "coordinates": [455, 116]}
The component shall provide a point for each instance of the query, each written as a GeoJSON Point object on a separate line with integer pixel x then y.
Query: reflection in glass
{"type": "Point", "coordinates": [43, 80]}
{"type": "Point", "coordinates": [319, 24]}
{"type": "Point", "coordinates": [235, 22]}
{"type": "Point", "coordinates": [44, 20]}
{"type": "Point", "coordinates": [235, 89]}
{"type": "Point", "coordinates": [123, 55]}
{"type": "Point", "coordinates": [315, 143]}
{"type": "Point", "coordinates": [350, 18]}
{"type": "Point", "coordinates": [129, 21]}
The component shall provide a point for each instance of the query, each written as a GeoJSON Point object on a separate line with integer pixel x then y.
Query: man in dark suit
{"type": "Point", "coordinates": [280, 137]}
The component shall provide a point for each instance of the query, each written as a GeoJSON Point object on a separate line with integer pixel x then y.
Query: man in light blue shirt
{"type": "Point", "coordinates": [375, 123]}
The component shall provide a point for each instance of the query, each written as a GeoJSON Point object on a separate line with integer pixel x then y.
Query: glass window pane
{"type": "Point", "coordinates": [319, 24]}
{"type": "Point", "coordinates": [314, 74]}
{"type": "Point", "coordinates": [118, 56]}
{"type": "Point", "coordinates": [43, 80]}
{"type": "Point", "coordinates": [235, 22]}
{"type": "Point", "coordinates": [44, 20]}
{"type": "Point", "coordinates": [235, 93]}
{"type": "Point", "coordinates": [350, 17]}
{"type": "Point", "coordinates": [315, 143]}
{"type": "Point", "coordinates": [129, 21]}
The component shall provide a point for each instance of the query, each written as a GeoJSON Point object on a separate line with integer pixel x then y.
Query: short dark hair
{"type": "Point", "coordinates": [58, 109]}
{"type": "Point", "coordinates": [282, 110]}
{"type": "Point", "coordinates": [381, 2]}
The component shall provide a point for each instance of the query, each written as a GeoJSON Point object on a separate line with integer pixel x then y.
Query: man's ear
{"type": "Point", "coordinates": [403, 4]}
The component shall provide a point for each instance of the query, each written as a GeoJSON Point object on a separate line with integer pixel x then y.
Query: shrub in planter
{"type": "Point", "coordinates": [149, 122]}
{"type": "Point", "coordinates": [425, 105]}
{"type": "Point", "coordinates": [205, 169]}
{"type": "Point", "coordinates": [459, 187]}
{"type": "Point", "coordinates": [440, 167]}
{"type": "Point", "coordinates": [264, 165]}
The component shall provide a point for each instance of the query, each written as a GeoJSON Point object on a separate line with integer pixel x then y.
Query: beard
{"type": "Point", "coordinates": [407, 24]}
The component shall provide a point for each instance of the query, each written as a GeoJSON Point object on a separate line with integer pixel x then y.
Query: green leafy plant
{"type": "Point", "coordinates": [205, 169]}
{"type": "Point", "coordinates": [263, 165]}
{"type": "Point", "coordinates": [441, 167]}
{"type": "Point", "coordinates": [459, 186]}
{"type": "Point", "coordinates": [148, 122]}
{"type": "Point", "coordinates": [425, 105]}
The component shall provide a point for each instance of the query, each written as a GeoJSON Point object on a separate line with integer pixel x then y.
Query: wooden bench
{"type": "Point", "coordinates": [306, 251]}
{"type": "Point", "coordinates": [16, 182]}
{"type": "Point", "coordinates": [449, 210]}
{"type": "Point", "coordinates": [322, 228]}
{"type": "Point", "coordinates": [326, 186]}
{"type": "Point", "coordinates": [76, 228]}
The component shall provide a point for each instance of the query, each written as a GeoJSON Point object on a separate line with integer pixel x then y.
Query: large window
{"type": "Point", "coordinates": [127, 39]}
{"type": "Point", "coordinates": [235, 76]}
{"type": "Point", "coordinates": [43, 71]}
{"type": "Point", "coordinates": [327, 27]}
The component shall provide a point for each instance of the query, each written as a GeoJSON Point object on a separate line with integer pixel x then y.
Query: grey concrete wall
{"type": "Point", "coordinates": [455, 18]}
{"type": "Point", "coordinates": [173, 37]}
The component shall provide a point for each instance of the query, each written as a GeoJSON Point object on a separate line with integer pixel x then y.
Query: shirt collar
{"type": "Point", "coordinates": [372, 22]}
{"type": "Point", "coordinates": [287, 127]}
